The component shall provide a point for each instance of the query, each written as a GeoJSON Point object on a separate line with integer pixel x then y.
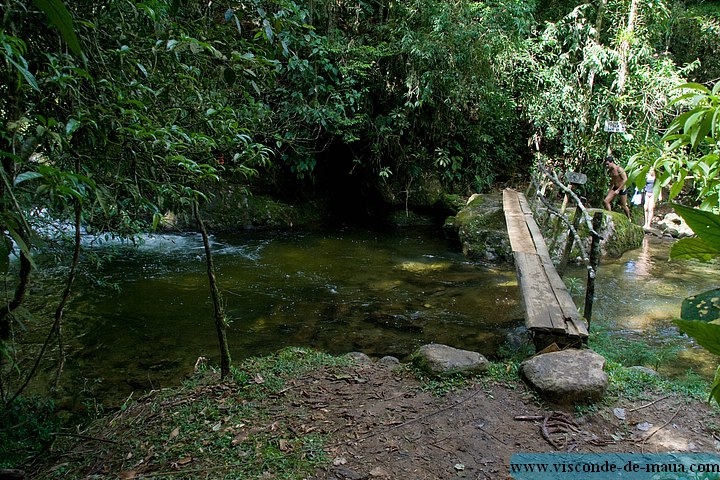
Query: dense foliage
{"type": "Point", "coordinates": [114, 113]}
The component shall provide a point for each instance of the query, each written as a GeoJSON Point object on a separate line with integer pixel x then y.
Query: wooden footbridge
{"type": "Point", "coordinates": [550, 312]}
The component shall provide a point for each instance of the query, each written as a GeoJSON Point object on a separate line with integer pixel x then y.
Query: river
{"type": "Point", "coordinates": [379, 292]}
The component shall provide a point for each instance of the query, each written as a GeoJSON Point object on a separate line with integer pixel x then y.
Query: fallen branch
{"type": "Point", "coordinates": [529, 418]}
{"type": "Point", "coordinates": [84, 437]}
{"type": "Point", "coordinates": [658, 429]}
{"type": "Point", "coordinates": [573, 232]}
{"type": "Point", "coordinates": [649, 404]}
{"type": "Point", "coordinates": [554, 178]}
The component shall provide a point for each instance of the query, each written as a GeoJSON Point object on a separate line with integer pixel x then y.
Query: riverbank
{"type": "Point", "coordinates": [303, 414]}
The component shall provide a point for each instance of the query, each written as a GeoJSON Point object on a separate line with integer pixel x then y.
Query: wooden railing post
{"type": "Point", "coordinates": [593, 267]}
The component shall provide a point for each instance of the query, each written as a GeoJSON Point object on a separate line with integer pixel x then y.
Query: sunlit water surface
{"type": "Point", "coordinates": [382, 293]}
{"type": "Point", "coordinates": [640, 294]}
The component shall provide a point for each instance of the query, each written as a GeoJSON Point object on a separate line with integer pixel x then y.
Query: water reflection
{"type": "Point", "coordinates": [641, 293]}
{"type": "Point", "coordinates": [643, 264]}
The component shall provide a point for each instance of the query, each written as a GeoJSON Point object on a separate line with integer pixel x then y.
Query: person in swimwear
{"type": "Point", "coordinates": [650, 198]}
{"type": "Point", "coordinates": [618, 179]}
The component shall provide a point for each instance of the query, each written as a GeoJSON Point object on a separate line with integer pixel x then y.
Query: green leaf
{"type": "Point", "coordinates": [693, 119]}
{"type": "Point", "coordinates": [694, 86]}
{"type": "Point", "coordinates": [706, 225]}
{"type": "Point", "coordinates": [693, 249]}
{"type": "Point", "coordinates": [61, 18]}
{"type": "Point", "coordinates": [678, 185]}
{"type": "Point", "coordinates": [71, 126]}
{"type": "Point", "coordinates": [29, 77]}
{"type": "Point", "coordinates": [715, 388]}
{"type": "Point", "coordinates": [701, 131]}
{"type": "Point", "coordinates": [705, 334]}
{"type": "Point", "coordinates": [704, 307]}
{"type": "Point", "coordinates": [25, 176]}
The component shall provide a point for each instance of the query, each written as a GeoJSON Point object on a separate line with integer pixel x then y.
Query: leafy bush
{"type": "Point", "coordinates": [26, 428]}
{"type": "Point", "coordinates": [700, 314]}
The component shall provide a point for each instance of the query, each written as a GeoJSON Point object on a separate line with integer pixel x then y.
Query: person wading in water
{"type": "Point", "coordinates": [618, 179]}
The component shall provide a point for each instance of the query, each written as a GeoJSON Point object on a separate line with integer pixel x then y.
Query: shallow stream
{"type": "Point", "coordinates": [382, 293]}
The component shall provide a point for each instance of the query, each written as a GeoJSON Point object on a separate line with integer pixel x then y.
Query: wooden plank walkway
{"type": "Point", "coordinates": [550, 311]}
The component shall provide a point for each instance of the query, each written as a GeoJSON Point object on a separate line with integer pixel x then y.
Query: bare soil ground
{"type": "Point", "coordinates": [384, 427]}
{"type": "Point", "coordinates": [379, 424]}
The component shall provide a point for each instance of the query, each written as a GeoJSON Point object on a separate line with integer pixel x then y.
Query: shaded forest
{"type": "Point", "coordinates": [113, 114]}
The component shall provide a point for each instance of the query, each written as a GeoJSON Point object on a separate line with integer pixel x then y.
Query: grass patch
{"type": "Point", "coordinates": [205, 429]}
{"type": "Point", "coordinates": [623, 351]}
{"type": "Point", "coordinates": [261, 376]}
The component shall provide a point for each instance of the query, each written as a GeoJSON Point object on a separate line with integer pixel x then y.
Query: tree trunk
{"type": "Point", "coordinates": [220, 317]}
{"type": "Point", "coordinates": [591, 74]}
{"type": "Point", "coordinates": [625, 46]}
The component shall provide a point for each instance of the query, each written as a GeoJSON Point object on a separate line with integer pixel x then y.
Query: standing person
{"type": "Point", "coordinates": [649, 198]}
{"type": "Point", "coordinates": [618, 179]}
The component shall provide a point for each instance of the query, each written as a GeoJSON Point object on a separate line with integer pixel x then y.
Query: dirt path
{"type": "Point", "coordinates": [385, 428]}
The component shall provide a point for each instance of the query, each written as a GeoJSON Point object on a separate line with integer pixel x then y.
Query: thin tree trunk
{"type": "Point", "coordinates": [625, 47]}
{"type": "Point", "coordinates": [68, 286]}
{"type": "Point", "coordinates": [56, 328]}
{"type": "Point", "coordinates": [591, 75]}
{"type": "Point", "coordinates": [220, 317]}
{"type": "Point", "coordinates": [586, 130]}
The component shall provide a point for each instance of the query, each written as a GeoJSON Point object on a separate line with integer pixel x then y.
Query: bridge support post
{"type": "Point", "coordinates": [593, 267]}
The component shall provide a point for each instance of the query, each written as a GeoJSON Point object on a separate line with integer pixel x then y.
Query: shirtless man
{"type": "Point", "coordinates": [618, 178]}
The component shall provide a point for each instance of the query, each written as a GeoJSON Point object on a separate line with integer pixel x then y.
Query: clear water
{"type": "Point", "coordinates": [640, 294]}
{"type": "Point", "coordinates": [382, 293]}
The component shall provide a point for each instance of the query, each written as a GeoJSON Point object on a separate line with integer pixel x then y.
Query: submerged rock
{"type": "Point", "coordinates": [568, 376]}
{"type": "Point", "coordinates": [440, 359]}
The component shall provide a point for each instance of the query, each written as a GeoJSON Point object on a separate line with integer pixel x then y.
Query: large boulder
{"type": "Point", "coordinates": [481, 229]}
{"type": "Point", "coordinates": [439, 360]}
{"type": "Point", "coordinates": [567, 377]}
{"type": "Point", "coordinates": [233, 208]}
{"type": "Point", "coordinates": [618, 234]}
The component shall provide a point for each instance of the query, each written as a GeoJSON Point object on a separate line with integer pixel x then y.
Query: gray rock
{"type": "Point", "coordinates": [646, 370]}
{"type": "Point", "coordinates": [443, 360]}
{"type": "Point", "coordinates": [567, 377]}
{"type": "Point", "coordinates": [672, 224]}
{"type": "Point", "coordinates": [389, 360]}
{"type": "Point", "coordinates": [359, 357]}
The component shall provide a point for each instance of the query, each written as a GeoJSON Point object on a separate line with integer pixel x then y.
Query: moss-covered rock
{"type": "Point", "coordinates": [409, 218]}
{"type": "Point", "coordinates": [480, 227]}
{"type": "Point", "coordinates": [233, 208]}
{"type": "Point", "coordinates": [618, 233]}
{"type": "Point", "coordinates": [426, 190]}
